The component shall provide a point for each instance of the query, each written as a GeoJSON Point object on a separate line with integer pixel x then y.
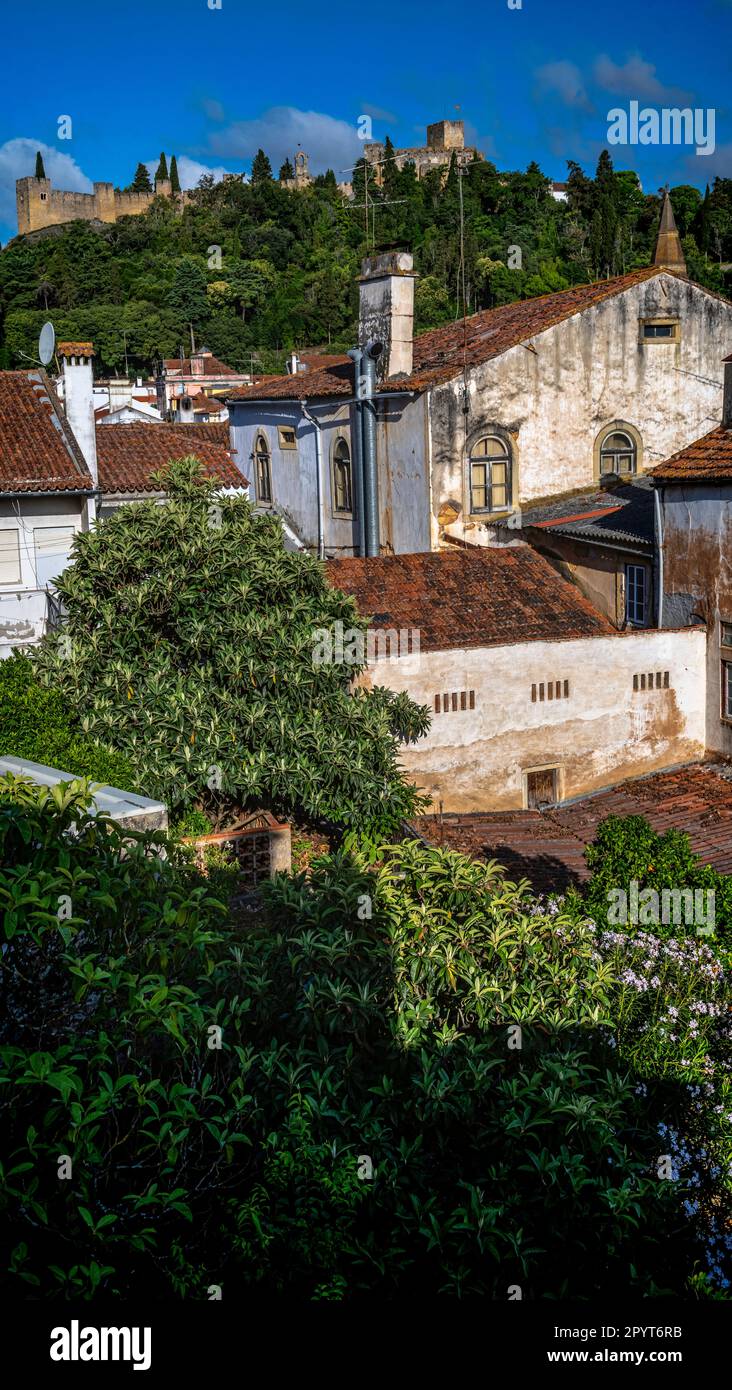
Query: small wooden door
{"type": "Point", "coordinates": [541, 788]}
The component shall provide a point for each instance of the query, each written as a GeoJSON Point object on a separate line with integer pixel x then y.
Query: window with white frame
{"type": "Point", "coordinates": [727, 689]}
{"type": "Point", "coordinates": [618, 453]}
{"type": "Point", "coordinates": [52, 550]}
{"type": "Point", "coordinates": [490, 475]}
{"type": "Point", "coordinates": [636, 595]}
{"type": "Point", "coordinates": [10, 556]}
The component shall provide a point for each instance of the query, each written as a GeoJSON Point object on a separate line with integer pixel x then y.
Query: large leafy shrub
{"type": "Point", "coordinates": [627, 848]}
{"type": "Point", "coordinates": [38, 724]}
{"type": "Point", "coordinates": [190, 648]}
{"type": "Point", "coordinates": [363, 1126]}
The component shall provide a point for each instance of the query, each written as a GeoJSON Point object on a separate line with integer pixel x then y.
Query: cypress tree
{"type": "Point", "coordinates": [261, 168]}
{"type": "Point", "coordinates": [40, 171]}
{"type": "Point", "coordinates": [174, 180]}
{"type": "Point", "coordinates": [286, 171]}
{"type": "Point", "coordinates": [162, 170]}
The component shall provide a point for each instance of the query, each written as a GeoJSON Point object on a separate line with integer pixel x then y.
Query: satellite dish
{"type": "Point", "coordinates": [46, 343]}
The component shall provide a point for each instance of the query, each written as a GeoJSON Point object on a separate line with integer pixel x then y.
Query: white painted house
{"type": "Point", "coordinates": [466, 425]}
{"type": "Point", "coordinates": [47, 495]}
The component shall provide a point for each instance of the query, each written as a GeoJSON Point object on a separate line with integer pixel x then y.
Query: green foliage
{"type": "Point", "coordinates": [193, 641]}
{"type": "Point", "coordinates": [40, 171]}
{"type": "Point", "coordinates": [39, 724]}
{"type": "Point", "coordinates": [141, 182]}
{"type": "Point", "coordinates": [104, 281]}
{"type": "Point", "coordinates": [174, 179]}
{"type": "Point", "coordinates": [162, 170]}
{"type": "Point", "coordinates": [626, 849]}
{"type": "Point", "coordinates": [359, 1025]}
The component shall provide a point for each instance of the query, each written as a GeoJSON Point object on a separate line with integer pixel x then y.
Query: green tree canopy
{"type": "Point", "coordinates": [174, 179]}
{"type": "Point", "coordinates": [162, 170]}
{"type": "Point", "coordinates": [286, 171]}
{"type": "Point", "coordinates": [365, 1014]}
{"type": "Point", "coordinates": [142, 182]}
{"type": "Point", "coordinates": [194, 649]}
{"type": "Point", "coordinates": [40, 171]}
{"type": "Point", "coordinates": [261, 168]}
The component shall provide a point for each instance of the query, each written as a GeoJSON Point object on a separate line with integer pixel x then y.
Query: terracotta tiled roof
{"type": "Point", "coordinates": [211, 367]}
{"type": "Point", "coordinates": [438, 355]}
{"type": "Point", "coordinates": [75, 349]}
{"type": "Point", "coordinates": [38, 452]}
{"type": "Point", "coordinates": [128, 454]}
{"type": "Point", "coordinates": [708, 457]}
{"type": "Point", "coordinates": [547, 847]}
{"type": "Point", "coordinates": [479, 597]}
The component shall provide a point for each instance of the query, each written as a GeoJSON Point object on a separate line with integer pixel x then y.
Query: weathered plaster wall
{"type": "Point", "coordinates": [697, 581]}
{"type": "Point", "coordinates": [600, 574]}
{"type": "Point", "coordinates": [605, 731]}
{"type": "Point", "coordinates": [554, 397]}
{"type": "Point", "coordinates": [401, 445]}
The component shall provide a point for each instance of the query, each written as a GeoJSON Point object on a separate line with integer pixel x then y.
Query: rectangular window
{"type": "Point", "coordinates": [660, 330]}
{"type": "Point", "coordinates": [10, 557]}
{"type": "Point", "coordinates": [725, 634]}
{"type": "Point", "coordinates": [287, 437]}
{"type": "Point", "coordinates": [52, 546]}
{"type": "Point", "coordinates": [541, 788]}
{"type": "Point", "coordinates": [727, 689]}
{"type": "Point", "coordinates": [636, 583]}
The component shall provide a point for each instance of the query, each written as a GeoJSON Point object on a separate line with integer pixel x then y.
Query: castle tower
{"type": "Point", "coordinates": [32, 203]}
{"type": "Point", "coordinates": [668, 245]}
{"type": "Point", "coordinates": [302, 174]}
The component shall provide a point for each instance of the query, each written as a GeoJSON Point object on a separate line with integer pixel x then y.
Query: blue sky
{"type": "Point", "coordinates": [211, 85]}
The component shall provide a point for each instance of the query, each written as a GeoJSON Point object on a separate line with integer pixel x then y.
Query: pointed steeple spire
{"type": "Point", "coordinates": [668, 246]}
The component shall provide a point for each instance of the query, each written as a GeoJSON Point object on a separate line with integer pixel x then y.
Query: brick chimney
{"type": "Point", "coordinates": [79, 399]}
{"type": "Point", "coordinates": [386, 309]}
{"type": "Point", "coordinates": [198, 361]}
{"type": "Point", "coordinates": [727, 397]}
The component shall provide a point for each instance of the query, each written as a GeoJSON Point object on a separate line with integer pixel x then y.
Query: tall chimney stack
{"type": "Point", "coordinates": [727, 397]}
{"type": "Point", "coordinates": [386, 309]}
{"type": "Point", "coordinates": [79, 399]}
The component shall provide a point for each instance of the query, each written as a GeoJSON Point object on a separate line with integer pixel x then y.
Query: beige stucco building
{"type": "Point", "coordinates": [534, 696]}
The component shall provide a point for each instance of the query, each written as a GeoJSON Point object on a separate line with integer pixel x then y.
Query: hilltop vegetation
{"type": "Point", "coordinates": [256, 269]}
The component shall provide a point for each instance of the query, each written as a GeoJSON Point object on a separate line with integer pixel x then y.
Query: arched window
{"type": "Point", "coordinates": [342, 486]}
{"type": "Point", "coordinates": [262, 470]}
{"type": "Point", "coordinates": [490, 475]}
{"type": "Point", "coordinates": [618, 453]}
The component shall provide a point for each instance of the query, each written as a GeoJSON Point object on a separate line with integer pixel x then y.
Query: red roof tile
{"type": "Point", "coordinates": [128, 454]}
{"type": "Point", "coordinates": [479, 597]}
{"type": "Point", "coordinates": [75, 349]}
{"type": "Point", "coordinates": [438, 355]}
{"type": "Point", "coordinates": [547, 847]}
{"type": "Point", "coordinates": [708, 457]}
{"type": "Point", "coordinates": [38, 452]}
{"type": "Point", "coordinates": [211, 366]}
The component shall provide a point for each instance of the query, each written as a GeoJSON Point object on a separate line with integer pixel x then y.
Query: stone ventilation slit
{"type": "Point", "coordinates": [454, 701]}
{"type": "Point", "coordinates": [550, 690]}
{"type": "Point", "coordinates": [651, 680]}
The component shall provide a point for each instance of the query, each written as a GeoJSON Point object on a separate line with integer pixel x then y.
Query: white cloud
{"type": "Point", "coordinates": [635, 79]}
{"type": "Point", "coordinates": [566, 81]}
{"type": "Point", "coordinates": [189, 170]}
{"type": "Point", "coordinates": [213, 109]}
{"type": "Point", "coordinates": [18, 160]}
{"type": "Point", "coordinates": [330, 143]}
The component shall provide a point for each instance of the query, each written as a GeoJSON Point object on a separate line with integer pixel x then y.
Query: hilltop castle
{"type": "Point", "coordinates": [41, 205]}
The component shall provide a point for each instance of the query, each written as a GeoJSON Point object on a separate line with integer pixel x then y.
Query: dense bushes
{"type": "Point", "coordinates": [368, 1122]}
{"type": "Point", "coordinates": [37, 723]}
{"type": "Point", "coordinates": [191, 633]}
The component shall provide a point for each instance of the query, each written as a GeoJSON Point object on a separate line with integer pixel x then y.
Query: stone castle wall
{"type": "Point", "coordinates": [41, 205]}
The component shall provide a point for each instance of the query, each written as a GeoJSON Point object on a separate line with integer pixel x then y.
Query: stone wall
{"type": "Point", "coordinates": [39, 204]}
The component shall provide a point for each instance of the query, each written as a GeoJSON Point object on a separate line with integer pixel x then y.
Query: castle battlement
{"type": "Point", "coordinates": [39, 204]}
